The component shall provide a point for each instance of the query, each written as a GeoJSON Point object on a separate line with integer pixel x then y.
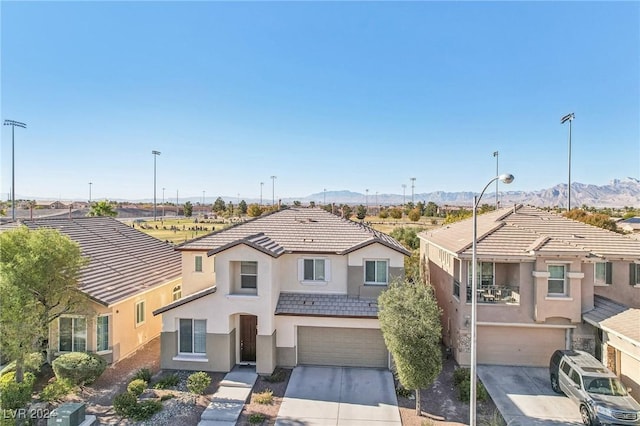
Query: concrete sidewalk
{"type": "Point", "coordinates": [227, 403]}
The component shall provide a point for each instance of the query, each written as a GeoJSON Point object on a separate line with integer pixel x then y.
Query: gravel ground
{"type": "Point", "coordinates": [269, 411]}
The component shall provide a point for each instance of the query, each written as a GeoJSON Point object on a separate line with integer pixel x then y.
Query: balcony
{"type": "Point", "coordinates": [494, 294]}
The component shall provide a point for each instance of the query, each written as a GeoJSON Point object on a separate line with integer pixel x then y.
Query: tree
{"type": "Point", "coordinates": [431, 209]}
{"type": "Point", "coordinates": [408, 236]}
{"type": "Point", "coordinates": [414, 215]}
{"type": "Point", "coordinates": [395, 213]}
{"type": "Point", "coordinates": [384, 213]}
{"type": "Point", "coordinates": [254, 210]}
{"type": "Point", "coordinates": [410, 323]}
{"type": "Point", "coordinates": [595, 219]}
{"type": "Point", "coordinates": [102, 208]}
{"type": "Point", "coordinates": [188, 209]}
{"type": "Point", "coordinates": [297, 203]}
{"type": "Point", "coordinates": [39, 283]}
{"type": "Point", "coordinates": [219, 206]}
{"type": "Point", "coordinates": [242, 207]}
{"type": "Point", "coordinates": [347, 212]}
{"type": "Point", "coordinates": [361, 212]}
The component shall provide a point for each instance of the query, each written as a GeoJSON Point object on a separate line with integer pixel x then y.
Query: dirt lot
{"type": "Point", "coordinates": [440, 404]}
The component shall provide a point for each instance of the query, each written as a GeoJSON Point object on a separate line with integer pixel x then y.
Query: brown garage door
{"type": "Point", "coordinates": [518, 345]}
{"type": "Point", "coordinates": [346, 347]}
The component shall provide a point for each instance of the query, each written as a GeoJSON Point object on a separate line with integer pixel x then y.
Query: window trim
{"type": "Point", "coordinates": [197, 266]}
{"type": "Point", "coordinates": [137, 312]}
{"type": "Point", "coordinates": [314, 281]}
{"type": "Point", "coordinates": [242, 287]}
{"type": "Point", "coordinates": [177, 290]}
{"type": "Point", "coordinates": [608, 274]}
{"type": "Point", "coordinates": [380, 283]}
{"type": "Point", "coordinates": [479, 271]}
{"type": "Point", "coordinates": [108, 350]}
{"type": "Point", "coordinates": [193, 353]}
{"type": "Point", "coordinates": [564, 280]}
{"type": "Point", "coordinates": [73, 319]}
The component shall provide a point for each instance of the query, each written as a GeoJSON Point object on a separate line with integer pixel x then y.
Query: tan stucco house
{"type": "Point", "coordinates": [129, 275]}
{"type": "Point", "coordinates": [545, 282]}
{"type": "Point", "coordinates": [297, 286]}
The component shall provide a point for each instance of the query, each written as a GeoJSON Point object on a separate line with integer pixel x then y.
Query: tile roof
{"type": "Point", "coordinates": [326, 305]}
{"type": "Point", "coordinates": [615, 318]}
{"type": "Point", "coordinates": [524, 231]}
{"type": "Point", "coordinates": [183, 301]}
{"type": "Point", "coordinates": [302, 230]}
{"type": "Point", "coordinates": [122, 261]}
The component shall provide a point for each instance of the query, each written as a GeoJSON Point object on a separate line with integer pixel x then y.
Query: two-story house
{"type": "Point", "coordinates": [539, 277]}
{"type": "Point", "coordinates": [297, 286]}
{"type": "Point", "coordinates": [129, 275]}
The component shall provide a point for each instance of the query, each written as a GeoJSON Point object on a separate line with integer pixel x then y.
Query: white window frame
{"type": "Point", "coordinates": [73, 319]}
{"type": "Point", "coordinates": [193, 335]}
{"type": "Point", "coordinates": [242, 286]}
{"type": "Point", "coordinates": [108, 349]}
{"type": "Point", "coordinates": [176, 293]}
{"type": "Point", "coordinates": [601, 281]}
{"type": "Point", "coordinates": [315, 280]}
{"type": "Point", "coordinates": [197, 263]}
{"type": "Point", "coordinates": [564, 279]}
{"type": "Point", "coordinates": [479, 271]}
{"type": "Point", "coordinates": [377, 279]}
{"type": "Point", "coordinates": [140, 313]}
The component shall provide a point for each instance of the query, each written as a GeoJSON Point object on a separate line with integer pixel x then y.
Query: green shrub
{"type": "Point", "coordinates": [124, 404]}
{"type": "Point", "coordinates": [137, 386]}
{"type": "Point", "coordinates": [15, 395]}
{"type": "Point", "coordinates": [460, 375]}
{"type": "Point", "coordinates": [144, 410]}
{"type": "Point", "coordinates": [403, 392]}
{"type": "Point", "coordinates": [198, 382]}
{"type": "Point", "coordinates": [79, 368]}
{"type": "Point", "coordinates": [56, 390]}
{"type": "Point", "coordinates": [256, 418]}
{"type": "Point", "coordinates": [143, 374]}
{"type": "Point", "coordinates": [167, 382]}
{"type": "Point", "coordinates": [277, 376]}
{"type": "Point", "coordinates": [32, 362]}
{"type": "Point", "coordinates": [167, 397]}
{"type": "Point", "coordinates": [464, 391]}
{"type": "Point", "coordinates": [264, 397]}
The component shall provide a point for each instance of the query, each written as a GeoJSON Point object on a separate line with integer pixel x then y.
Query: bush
{"type": "Point", "coordinates": [277, 377]}
{"type": "Point", "coordinates": [264, 397]}
{"type": "Point", "coordinates": [198, 382]}
{"type": "Point", "coordinates": [144, 410]}
{"type": "Point", "coordinates": [15, 395]}
{"type": "Point", "coordinates": [167, 382]}
{"type": "Point", "coordinates": [256, 418]}
{"type": "Point", "coordinates": [143, 374]}
{"type": "Point", "coordinates": [79, 368]}
{"type": "Point", "coordinates": [32, 363]}
{"type": "Point", "coordinates": [56, 390]}
{"type": "Point", "coordinates": [460, 375]}
{"type": "Point", "coordinates": [403, 392]}
{"type": "Point", "coordinates": [167, 397]}
{"type": "Point", "coordinates": [462, 380]}
{"type": "Point", "coordinates": [124, 404]}
{"type": "Point", "coordinates": [414, 215]}
{"type": "Point", "coordinates": [137, 386]}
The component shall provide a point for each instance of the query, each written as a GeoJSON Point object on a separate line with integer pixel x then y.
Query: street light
{"type": "Point", "coordinates": [404, 188]}
{"type": "Point", "coordinates": [13, 125]}
{"type": "Point", "coordinates": [496, 154]}
{"type": "Point", "coordinates": [261, 184]}
{"type": "Point", "coordinates": [203, 209]}
{"type": "Point", "coordinates": [569, 117]}
{"type": "Point", "coordinates": [324, 197]}
{"type": "Point", "coordinates": [273, 190]}
{"type": "Point", "coordinates": [413, 185]}
{"type": "Point", "coordinates": [163, 203]}
{"type": "Point", "coordinates": [505, 178]}
{"type": "Point", "coordinates": [90, 183]}
{"type": "Point", "coordinates": [155, 155]}
{"type": "Point", "coordinates": [366, 199]}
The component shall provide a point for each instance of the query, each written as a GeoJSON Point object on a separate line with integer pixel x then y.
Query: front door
{"type": "Point", "coordinates": [248, 332]}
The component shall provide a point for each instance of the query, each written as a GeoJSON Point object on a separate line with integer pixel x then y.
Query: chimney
{"type": "Point", "coordinates": [515, 208]}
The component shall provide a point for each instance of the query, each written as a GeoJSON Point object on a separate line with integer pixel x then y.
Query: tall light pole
{"type": "Point", "coordinates": [569, 117]}
{"type": "Point", "coordinates": [404, 190]}
{"type": "Point", "coordinates": [13, 125]}
{"type": "Point", "coordinates": [261, 185]}
{"type": "Point", "coordinates": [496, 154]}
{"type": "Point", "coordinates": [90, 183]}
{"type": "Point", "coordinates": [155, 155]}
{"type": "Point", "coordinates": [413, 185]}
{"type": "Point", "coordinates": [273, 190]}
{"type": "Point", "coordinates": [203, 192]}
{"type": "Point", "coordinates": [506, 178]}
{"type": "Point", "coordinates": [163, 203]}
{"type": "Point", "coordinates": [324, 197]}
{"type": "Point", "coordinates": [177, 205]}
{"type": "Point", "coordinates": [366, 199]}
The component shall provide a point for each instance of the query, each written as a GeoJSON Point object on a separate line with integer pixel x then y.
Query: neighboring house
{"type": "Point", "coordinates": [128, 276]}
{"type": "Point", "coordinates": [538, 277]}
{"type": "Point", "coordinates": [297, 286]}
{"type": "Point", "coordinates": [630, 225]}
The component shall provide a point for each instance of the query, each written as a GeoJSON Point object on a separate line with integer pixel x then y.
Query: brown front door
{"type": "Point", "coordinates": [248, 332]}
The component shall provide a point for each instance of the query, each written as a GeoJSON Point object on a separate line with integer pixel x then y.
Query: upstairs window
{"type": "Point", "coordinates": [486, 274]}
{"type": "Point", "coordinates": [602, 273]}
{"type": "Point", "coordinates": [634, 274]}
{"type": "Point", "coordinates": [249, 275]}
{"type": "Point", "coordinates": [198, 265]}
{"type": "Point", "coordinates": [556, 284]}
{"type": "Point", "coordinates": [376, 272]}
{"type": "Point", "coordinates": [140, 313]}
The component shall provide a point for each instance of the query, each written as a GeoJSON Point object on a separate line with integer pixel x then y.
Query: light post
{"type": "Point", "coordinates": [366, 199]}
{"type": "Point", "coordinates": [203, 210]}
{"type": "Point", "coordinates": [163, 203]}
{"type": "Point", "coordinates": [324, 197]}
{"type": "Point", "coordinates": [496, 154]}
{"type": "Point", "coordinates": [377, 205]}
{"type": "Point", "coordinates": [177, 205]}
{"type": "Point", "coordinates": [155, 155]}
{"type": "Point", "coordinates": [404, 189]}
{"type": "Point", "coordinates": [90, 183]}
{"type": "Point", "coordinates": [506, 178]}
{"type": "Point", "coordinates": [413, 185]}
{"type": "Point", "coordinates": [273, 190]}
{"type": "Point", "coordinates": [13, 125]}
{"type": "Point", "coordinates": [261, 185]}
{"type": "Point", "coordinates": [569, 117]}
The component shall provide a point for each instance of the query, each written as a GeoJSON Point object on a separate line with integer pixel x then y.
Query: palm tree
{"type": "Point", "coordinates": [102, 208]}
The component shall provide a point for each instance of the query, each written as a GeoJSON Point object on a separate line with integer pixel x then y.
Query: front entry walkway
{"type": "Point", "coordinates": [227, 403]}
{"type": "Point", "coordinates": [339, 396]}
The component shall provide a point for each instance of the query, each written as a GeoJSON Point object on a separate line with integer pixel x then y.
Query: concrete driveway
{"type": "Point", "coordinates": [339, 396]}
{"type": "Point", "coordinates": [524, 396]}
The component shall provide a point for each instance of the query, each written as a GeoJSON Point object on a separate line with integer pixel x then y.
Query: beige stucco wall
{"type": "Point", "coordinates": [288, 278]}
{"type": "Point", "coordinates": [196, 281]}
{"type": "Point", "coordinates": [568, 306]}
{"type": "Point", "coordinates": [620, 290]}
{"type": "Point", "coordinates": [266, 348]}
{"type": "Point", "coordinates": [219, 356]}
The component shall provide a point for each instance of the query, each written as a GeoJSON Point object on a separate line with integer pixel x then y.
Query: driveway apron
{"type": "Point", "coordinates": [319, 396]}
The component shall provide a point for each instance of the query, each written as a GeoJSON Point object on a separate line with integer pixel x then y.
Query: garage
{"type": "Point", "coordinates": [518, 345]}
{"type": "Point", "coordinates": [342, 347]}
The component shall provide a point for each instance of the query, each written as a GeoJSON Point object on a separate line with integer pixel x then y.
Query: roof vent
{"type": "Point", "coordinates": [308, 302]}
{"type": "Point", "coordinates": [307, 240]}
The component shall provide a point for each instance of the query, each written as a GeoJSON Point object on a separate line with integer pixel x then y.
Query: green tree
{"type": "Point", "coordinates": [219, 205]}
{"type": "Point", "coordinates": [242, 207]}
{"type": "Point", "coordinates": [312, 204]}
{"type": "Point", "coordinates": [347, 212]}
{"type": "Point", "coordinates": [254, 210]}
{"type": "Point", "coordinates": [384, 213]}
{"type": "Point", "coordinates": [395, 213]}
{"type": "Point", "coordinates": [408, 236]}
{"type": "Point", "coordinates": [361, 212]}
{"type": "Point", "coordinates": [595, 219]}
{"type": "Point", "coordinates": [188, 209]}
{"type": "Point", "coordinates": [297, 203]}
{"type": "Point", "coordinates": [39, 283]}
{"type": "Point", "coordinates": [410, 323]}
{"type": "Point", "coordinates": [102, 208]}
{"type": "Point", "coordinates": [414, 215]}
{"type": "Point", "coordinates": [431, 209]}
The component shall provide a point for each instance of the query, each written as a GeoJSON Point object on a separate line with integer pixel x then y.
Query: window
{"type": "Point", "coordinates": [193, 336]}
{"type": "Point", "coordinates": [375, 272]}
{"type": "Point", "coordinates": [314, 270]}
{"type": "Point", "coordinates": [456, 288]}
{"type": "Point", "coordinates": [249, 274]}
{"type": "Point", "coordinates": [485, 272]}
{"type": "Point", "coordinates": [634, 274]}
{"type": "Point", "coordinates": [556, 281]}
{"type": "Point", "coordinates": [73, 334]}
{"type": "Point", "coordinates": [602, 273]}
{"type": "Point", "coordinates": [575, 377]}
{"type": "Point", "coordinates": [140, 313]}
{"type": "Point", "coordinates": [566, 368]}
{"type": "Point", "coordinates": [198, 264]}
{"type": "Point", "coordinates": [102, 333]}
{"type": "Point", "coordinates": [177, 292]}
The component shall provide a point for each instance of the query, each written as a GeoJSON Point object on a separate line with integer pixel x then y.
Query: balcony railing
{"type": "Point", "coordinates": [496, 294]}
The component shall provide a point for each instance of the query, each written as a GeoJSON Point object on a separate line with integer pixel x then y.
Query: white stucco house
{"type": "Point", "coordinates": [297, 286]}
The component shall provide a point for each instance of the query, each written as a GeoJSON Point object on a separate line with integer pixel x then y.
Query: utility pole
{"type": "Point", "coordinates": [273, 190]}
{"type": "Point", "coordinates": [404, 188]}
{"type": "Point", "coordinates": [90, 183]}
{"type": "Point", "coordinates": [155, 155]}
{"type": "Point", "coordinates": [569, 117]}
{"type": "Point", "coordinates": [13, 125]}
{"type": "Point", "coordinates": [495, 154]}
{"type": "Point", "coordinates": [261, 185]}
{"type": "Point", "coordinates": [163, 203]}
{"type": "Point", "coordinates": [413, 185]}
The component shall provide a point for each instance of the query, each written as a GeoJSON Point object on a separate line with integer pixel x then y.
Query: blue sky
{"type": "Point", "coordinates": [336, 95]}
